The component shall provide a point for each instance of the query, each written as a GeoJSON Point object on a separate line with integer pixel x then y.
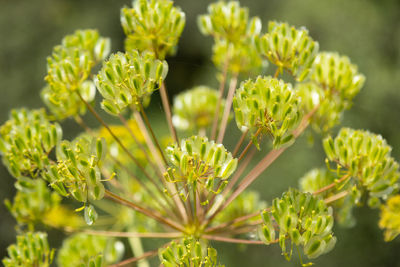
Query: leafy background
{"type": "Point", "coordinates": [368, 31]}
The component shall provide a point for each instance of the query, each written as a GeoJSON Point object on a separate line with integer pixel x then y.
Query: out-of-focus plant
{"type": "Point", "coordinates": [190, 189]}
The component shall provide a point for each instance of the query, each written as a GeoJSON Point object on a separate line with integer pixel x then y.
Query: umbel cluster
{"type": "Point", "coordinates": [188, 188]}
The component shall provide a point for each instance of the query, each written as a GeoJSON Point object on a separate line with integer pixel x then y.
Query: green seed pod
{"type": "Point", "coordinates": [200, 160]}
{"type": "Point", "coordinates": [127, 79]}
{"type": "Point", "coordinates": [188, 252]}
{"type": "Point", "coordinates": [147, 17]}
{"type": "Point", "coordinates": [31, 249]}
{"type": "Point", "coordinates": [74, 172]}
{"type": "Point", "coordinates": [269, 105]}
{"type": "Point", "coordinates": [288, 48]}
{"type": "Point", "coordinates": [233, 33]}
{"type": "Point", "coordinates": [68, 69]}
{"type": "Point", "coordinates": [28, 156]}
{"type": "Point", "coordinates": [195, 109]}
{"type": "Point", "coordinates": [376, 171]}
{"type": "Point", "coordinates": [303, 219]}
{"type": "Point", "coordinates": [98, 250]}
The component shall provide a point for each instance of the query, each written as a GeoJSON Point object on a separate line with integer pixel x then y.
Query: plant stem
{"type": "Point", "coordinates": [332, 185]}
{"type": "Point", "coordinates": [131, 234]}
{"type": "Point", "coordinates": [168, 114]}
{"type": "Point", "coordinates": [234, 221]}
{"type": "Point", "coordinates": [227, 110]}
{"type": "Point", "coordinates": [277, 72]}
{"type": "Point", "coordinates": [233, 240]}
{"type": "Point", "coordinates": [130, 261]}
{"type": "Point", "coordinates": [151, 214]}
{"type": "Point", "coordinates": [220, 96]}
{"type": "Point", "coordinates": [249, 145]}
{"type": "Point", "coordinates": [239, 144]}
{"type": "Point", "coordinates": [336, 197]}
{"type": "Point", "coordinates": [147, 122]}
{"type": "Point", "coordinates": [150, 145]}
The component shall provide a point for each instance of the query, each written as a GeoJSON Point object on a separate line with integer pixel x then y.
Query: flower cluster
{"type": "Point", "coordinates": [31, 250]}
{"type": "Point", "coordinates": [288, 48]}
{"type": "Point", "coordinates": [26, 141]}
{"type": "Point", "coordinates": [199, 161]}
{"type": "Point", "coordinates": [189, 252]}
{"type": "Point", "coordinates": [87, 250]}
{"type": "Point", "coordinates": [154, 24]}
{"type": "Point", "coordinates": [77, 171]}
{"type": "Point", "coordinates": [365, 157]}
{"type": "Point", "coordinates": [128, 79]}
{"type": "Point", "coordinates": [268, 105]}
{"type": "Point", "coordinates": [302, 218]}
{"type": "Point", "coordinates": [32, 205]}
{"type": "Point", "coordinates": [233, 33]}
{"type": "Point", "coordinates": [194, 109]}
{"type": "Point", "coordinates": [68, 70]}
{"type": "Point", "coordinates": [333, 85]}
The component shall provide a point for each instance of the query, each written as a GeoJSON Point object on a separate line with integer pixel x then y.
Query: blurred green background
{"type": "Point", "coordinates": [368, 31]}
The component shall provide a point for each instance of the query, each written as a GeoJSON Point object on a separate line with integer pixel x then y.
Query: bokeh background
{"type": "Point", "coordinates": [368, 31]}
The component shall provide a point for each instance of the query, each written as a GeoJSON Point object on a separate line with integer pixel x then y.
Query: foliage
{"type": "Point", "coordinates": [190, 189]}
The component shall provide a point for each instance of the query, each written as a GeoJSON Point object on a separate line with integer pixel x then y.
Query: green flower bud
{"type": "Point", "coordinates": [269, 105]}
{"type": "Point", "coordinates": [68, 69]}
{"type": "Point", "coordinates": [366, 157]}
{"type": "Point", "coordinates": [126, 79]}
{"type": "Point", "coordinates": [289, 48]}
{"type": "Point", "coordinates": [188, 252]}
{"type": "Point", "coordinates": [198, 160]}
{"type": "Point", "coordinates": [97, 250]}
{"type": "Point", "coordinates": [233, 32]}
{"type": "Point", "coordinates": [31, 249]}
{"type": "Point", "coordinates": [153, 24]}
{"type": "Point", "coordinates": [26, 140]}
{"type": "Point", "coordinates": [302, 218]}
{"type": "Point", "coordinates": [195, 108]}
{"type": "Point", "coordinates": [77, 171]}
{"type": "Point", "coordinates": [242, 56]}
{"type": "Point", "coordinates": [338, 75]}
{"type": "Point", "coordinates": [228, 21]}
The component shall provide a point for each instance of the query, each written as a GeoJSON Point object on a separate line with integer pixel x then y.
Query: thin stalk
{"type": "Point", "coordinates": [149, 213]}
{"type": "Point", "coordinates": [240, 170]}
{"type": "Point", "coordinates": [81, 122]}
{"type": "Point", "coordinates": [332, 185]}
{"type": "Point", "coordinates": [171, 188]}
{"type": "Point", "coordinates": [132, 234]}
{"type": "Point", "coordinates": [220, 96]}
{"type": "Point", "coordinates": [239, 144]}
{"type": "Point", "coordinates": [140, 145]}
{"type": "Point", "coordinates": [336, 197]}
{"type": "Point", "coordinates": [168, 114]}
{"type": "Point", "coordinates": [234, 221]}
{"type": "Point", "coordinates": [131, 174]}
{"type": "Point", "coordinates": [102, 122]}
{"type": "Point", "coordinates": [130, 261]}
{"type": "Point", "coordinates": [233, 240]}
{"type": "Point", "coordinates": [249, 145]}
{"type": "Point", "coordinates": [147, 122]}
{"type": "Point", "coordinates": [227, 110]}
